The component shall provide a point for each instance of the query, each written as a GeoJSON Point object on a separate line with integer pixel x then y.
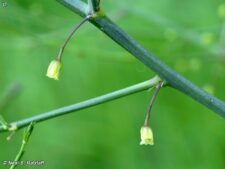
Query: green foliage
{"type": "Point", "coordinates": [184, 135]}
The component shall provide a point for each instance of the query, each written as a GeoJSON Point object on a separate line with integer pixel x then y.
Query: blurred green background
{"type": "Point", "coordinates": [187, 35]}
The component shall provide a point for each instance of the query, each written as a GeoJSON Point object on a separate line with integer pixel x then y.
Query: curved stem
{"type": "Point", "coordinates": [77, 26]}
{"type": "Point", "coordinates": [147, 118]}
{"type": "Point", "coordinates": [173, 78]}
{"type": "Point", "coordinates": [86, 104]}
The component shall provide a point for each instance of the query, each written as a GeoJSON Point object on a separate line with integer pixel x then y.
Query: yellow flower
{"type": "Point", "coordinates": [54, 69]}
{"type": "Point", "coordinates": [146, 136]}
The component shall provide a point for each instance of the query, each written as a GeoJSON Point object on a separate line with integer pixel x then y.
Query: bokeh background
{"type": "Point", "coordinates": [187, 35]}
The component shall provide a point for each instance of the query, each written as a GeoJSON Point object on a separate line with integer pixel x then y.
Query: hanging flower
{"type": "Point", "coordinates": [54, 69]}
{"type": "Point", "coordinates": [146, 136]}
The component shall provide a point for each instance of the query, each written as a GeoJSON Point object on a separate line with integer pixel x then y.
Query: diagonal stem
{"type": "Point", "coordinates": [86, 104]}
{"type": "Point", "coordinates": [26, 137]}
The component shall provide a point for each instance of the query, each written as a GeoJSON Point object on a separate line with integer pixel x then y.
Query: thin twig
{"type": "Point", "coordinates": [26, 137]}
{"type": "Point", "coordinates": [76, 27]}
{"type": "Point", "coordinates": [86, 104]}
{"type": "Point", "coordinates": [147, 118]}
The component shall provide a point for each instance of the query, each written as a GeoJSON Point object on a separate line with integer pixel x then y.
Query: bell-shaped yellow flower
{"type": "Point", "coordinates": [146, 136]}
{"type": "Point", "coordinates": [54, 69]}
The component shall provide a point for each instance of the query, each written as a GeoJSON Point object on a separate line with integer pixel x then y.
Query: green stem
{"type": "Point", "coordinates": [76, 27]}
{"type": "Point", "coordinates": [26, 137]}
{"type": "Point", "coordinates": [157, 89]}
{"type": "Point", "coordinates": [172, 78]}
{"type": "Point", "coordinates": [19, 155]}
{"type": "Point", "coordinates": [95, 4]}
{"type": "Point", "coordinates": [86, 104]}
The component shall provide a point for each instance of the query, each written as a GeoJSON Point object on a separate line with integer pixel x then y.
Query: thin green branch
{"type": "Point", "coordinates": [173, 78]}
{"type": "Point", "coordinates": [152, 101]}
{"type": "Point", "coordinates": [26, 136]}
{"type": "Point", "coordinates": [86, 104]}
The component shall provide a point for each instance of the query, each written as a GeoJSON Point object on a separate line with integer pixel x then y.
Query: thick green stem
{"type": "Point", "coordinates": [96, 5]}
{"type": "Point", "coordinates": [86, 104]}
{"type": "Point", "coordinates": [173, 78]}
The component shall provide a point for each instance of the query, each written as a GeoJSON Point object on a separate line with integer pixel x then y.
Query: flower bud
{"type": "Point", "coordinates": [54, 69]}
{"type": "Point", "coordinates": [146, 136]}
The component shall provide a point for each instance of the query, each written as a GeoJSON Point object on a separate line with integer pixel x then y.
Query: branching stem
{"type": "Point", "coordinates": [173, 78]}
{"type": "Point", "coordinates": [86, 104]}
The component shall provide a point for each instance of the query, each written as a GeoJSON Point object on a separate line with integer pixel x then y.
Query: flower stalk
{"type": "Point", "coordinates": [55, 65]}
{"type": "Point", "coordinates": [76, 27]}
{"type": "Point", "coordinates": [146, 131]}
{"type": "Point", "coordinates": [148, 114]}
